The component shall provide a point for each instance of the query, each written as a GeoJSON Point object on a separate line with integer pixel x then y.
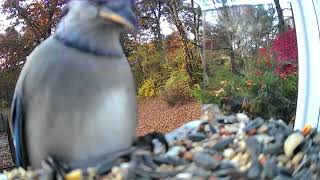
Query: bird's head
{"type": "Point", "coordinates": [111, 13]}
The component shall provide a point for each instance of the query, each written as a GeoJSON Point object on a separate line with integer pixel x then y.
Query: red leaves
{"type": "Point", "coordinates": [285, 51]}
{"type": "Point", "coordinates": [284, 47]}
{"type": "Point", "coordinates": [265, 53]}
{"type": "Point", "coordinates": [288, 69]}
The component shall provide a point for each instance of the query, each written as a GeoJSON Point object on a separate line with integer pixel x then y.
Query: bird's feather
{"type": "Point", "coordinates": [18, 124]}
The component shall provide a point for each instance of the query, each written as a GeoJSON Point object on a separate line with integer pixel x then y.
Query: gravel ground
{"type": "Point", "coordinates": [156, 115]}
{"type": "Point", "coordinates": [5, 156]}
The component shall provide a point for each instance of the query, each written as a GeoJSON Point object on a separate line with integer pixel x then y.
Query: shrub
{"type": "Point", "coordinates": [148, 67]}
{"type": "Point", "coordinates": [272, 96]}
{"type": "Point", "coordinates": [204, 96]}
{"type": "Point", "coordinates": [175, 96]}
{"type": "Point", "coordinates": [285, 51]}
{"type": "Point", "coordinates": [259, 92]}
{"type": "Point", "coordinates": [285, 48]}
{"type": "Point", "coordinates": [147, 89]}
{"type": "Point", "coordinates": [177, 90]}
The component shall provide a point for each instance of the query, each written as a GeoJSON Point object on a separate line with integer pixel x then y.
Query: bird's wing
{"type": "Point", "coordinates": [18, 131]}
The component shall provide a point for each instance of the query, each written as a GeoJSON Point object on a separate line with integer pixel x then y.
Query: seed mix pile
{"type": "Point", "coordinates": [216, 147]}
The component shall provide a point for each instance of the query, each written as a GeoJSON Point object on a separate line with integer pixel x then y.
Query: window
{"type": "Point", "coordinates": [251, 57]}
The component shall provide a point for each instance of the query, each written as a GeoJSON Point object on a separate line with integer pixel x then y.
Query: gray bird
{"type": "Point", "coordinates": [75, 97]}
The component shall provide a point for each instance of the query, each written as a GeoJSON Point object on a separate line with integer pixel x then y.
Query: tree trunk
{"type": "Point", "coordinates": [195, 29]}
{"type": "Point", "coordinates": [292, 14]}
{"type": "Point", "coordinates": [233, 61]}
{"type": "Point", "coordinates": [188, 55]}
{"type": "Point", "coordinates": [157, 13]}
{"type": "Point", "coordinates": [157, 33]}
{"type": "Point", "coordinates": [232, 57]}
{"type": "Point", "coordinates": [141, 69]}
{"type": "Point", "coordinates": [194, 25]}
{"type": "Point", "coordinates": [281, 25]}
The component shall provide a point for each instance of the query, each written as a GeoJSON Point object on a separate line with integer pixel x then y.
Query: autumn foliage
{"type": "Point", "coordinates": [285, 48]}
{"type": "Point", "coordinates": [248, 56]}
{"type": "Point", "coordinates": [31, 22]}
{"type": "Point", "coordinates": [285, 51]}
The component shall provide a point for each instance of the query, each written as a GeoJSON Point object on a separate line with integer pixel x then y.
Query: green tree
{"type": "Point", "coordinates": [186, 18]}
{"type": "Point", "coordinates": [150, 14]}
{"type": "Point", "coordinates": [239, 31]}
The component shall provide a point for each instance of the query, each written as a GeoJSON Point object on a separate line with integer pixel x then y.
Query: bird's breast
{"type": "Point", "coordinates": [78, 106]}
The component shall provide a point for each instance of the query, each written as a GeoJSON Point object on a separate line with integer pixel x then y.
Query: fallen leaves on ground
{"type": "Point", "coordinates": [156, 115]}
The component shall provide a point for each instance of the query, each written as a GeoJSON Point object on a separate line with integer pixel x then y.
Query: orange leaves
{"type": "Point", "coordinates": [249, 83]}
{"type": "Point", "coordinates": [156, 115]}
{"type": "Point", "coordinates": [32, 22]}
{"type": "Point", "coordinates": [173, 43]}
{"type": "Point", "coordinates": [38, 16]}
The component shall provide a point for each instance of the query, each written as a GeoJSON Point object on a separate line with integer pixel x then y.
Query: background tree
{"type": "Point", "coordinates": [186, 18]}
{"type": "Point", "coordinates": [281, 23]}
{"type": "Point", "coordinates": [240, 31]}
{"type": "Point", "coordinates": [247, 39]}
{"type": "Point", "coordinates": [150, 14]}
{"type": "Point", "coordinates": [250, 52]}
{"type": "Point", "coordinates": [31, 23]}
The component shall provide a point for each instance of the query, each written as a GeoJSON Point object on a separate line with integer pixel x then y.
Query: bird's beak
{"type": "Point", "coordinates": [120, 14]}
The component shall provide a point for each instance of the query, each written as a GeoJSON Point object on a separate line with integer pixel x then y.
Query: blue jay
{"type": "Point", "coordinates": [75, 97]}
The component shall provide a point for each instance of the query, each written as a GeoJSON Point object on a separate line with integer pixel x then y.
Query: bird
{"type": "Point", "coordinates": [75, 97]}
